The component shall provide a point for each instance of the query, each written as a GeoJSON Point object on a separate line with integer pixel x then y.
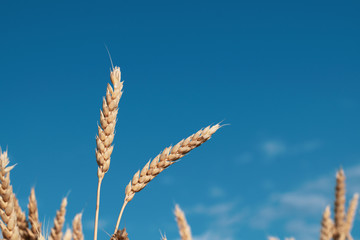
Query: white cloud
{"type": "Point", "coordinates": [300, 210]}
{"type": "Point", "coordinates": [216, 192]}
{"type": "Point", "coordinates": [89, 224]}
{"type": "Point", "coordinates": [225, 219]}
{"type": "Point", "coordinates": [309, 202]}
{"type": "Point", "coordinates": [303, 230]}
{"type": "Point", "coordinates": [217, 209]}
{"type": "Point", "coordinates": [273, 148]}
{"type": "Point", "coordinates": [213, 235]}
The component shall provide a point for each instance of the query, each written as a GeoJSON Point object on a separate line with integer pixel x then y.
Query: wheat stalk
{"type": "Point", "coordinates": [8, 224]}
{"type": "Point", "coordinates": [184, 228]}
{"type": "Point", "coordinates": [77, 227]}
{"type": "Point", "coordinates": [327, 225]}
{"type": "Point", "coordinates": [162, 161]}
{"type": "Point", "coordinates": [106, 133]}
{"type": "Point", "coordinates": [339, 206]}
{"type": "Point", "coordinates": [35, 230]}
{"type": "Point", "coordinates": [56, 231]}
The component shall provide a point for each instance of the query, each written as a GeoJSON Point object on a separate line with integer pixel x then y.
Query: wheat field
{"type": "Point", "coordinates": [18, 224]}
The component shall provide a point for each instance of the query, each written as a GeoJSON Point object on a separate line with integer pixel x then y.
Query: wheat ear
{"type": "Point", "coordinates": [351, 214]}
{"type": "Point", "coordinates": [8, 225]}
{"type": "Point", "coordinates": [35, 230]}
{"type": "Point", "coordinates": [183, 226]}
{"type": "Point", "coordinates": [106, 133]}
{"type": "Point", "coordinates": [339, 206]}
{"type": "Point", "coordinates": [21, 220]}
{"type": "Point", "coordinates": [68, 234]}
{"type": "Point", "coordinates": [162, 161]}
{"type": "Point", "coordinates": [120, 235]}
{"type": "Point", "coordinates": [56, 231]}
{"type": "Point", "coordinates": [327, 225]}
{"type": "Point", "coordinates": [77, 227]}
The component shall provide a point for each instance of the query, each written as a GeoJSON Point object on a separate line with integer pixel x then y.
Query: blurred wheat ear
{"type": "Point", "coordinates": [184, 228]}
{"type": "Point", "coordinates": [340, 229]}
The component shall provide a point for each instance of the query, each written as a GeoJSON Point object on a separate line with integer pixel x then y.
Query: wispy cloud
{"type": "Point", "coordinates": [216, 209]}
{"type": "Point", "coordinates": [300, 210]}
{"type": "Point", "coordinates": [216, 192]}
{"type": "Point", "coordinates": [213, 235]}
{"type": "Point", "coordinates": [274, 148]}
{"type": "Point", "coordinates": [224, 220]}
{"type": "Point", "coordinates": [303, 229]}
{"type": "Point", "coordinates": [89, 224]}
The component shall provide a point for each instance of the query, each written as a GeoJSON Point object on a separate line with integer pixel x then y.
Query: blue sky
{"type": "Point", "coordinates": [283, 74]}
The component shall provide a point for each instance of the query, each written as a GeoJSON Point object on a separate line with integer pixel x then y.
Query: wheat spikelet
{"type": "Point", "coordinates": [183, 226]}
{"type": "Point", "coordinates": [35, 230]}
{"type": "Point", "coordinates": [106, 130]}
{"type": "Point", "coordinates": [162, 161]}
{"type": "Point", "coordinates": [327, 225]}
{"type": "Point", "coordinates": [339, 206]}
{"type": "Point", "coordinates": [67, 235]}
{"type": "Point", "coordinates": [21, 220]}
{"type": "Point", "coordinates": [9, 227]}
{"type": "Point", "coordinates": [77, 228]}
{"type": "Point", "coordinates": [56, 231]}
{"type": "Point", "coordinates": [120, 235]}
{"type": "Point", "coordinates": [351, 213]}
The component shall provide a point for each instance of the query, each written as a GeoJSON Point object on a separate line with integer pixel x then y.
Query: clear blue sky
{"type": "Point", "coordinates": [284, 75]}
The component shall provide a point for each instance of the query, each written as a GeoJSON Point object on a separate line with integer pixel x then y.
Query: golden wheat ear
{"type": "Point", "coordinates": [9, 226]}
{"type": "Point", "coordinates": [339, 206]}
{"type": "Point", "coordinates": [56, 231]}
{"type": "Point", "coordinates": [120, 235]}
{"type": "Point", "coordinates": [162, 161]}
{"type": "Point", "coordinates": [106, 133]}
{"type": "Point", "coordinates": [35, 230]}
{"type": "Point", "coordinates": [351, 213]}
{"type": "Point", "coordinates": [108, 117]}
{"type": "Point", "coordinates": [77, 228]}
{"type": "Point", "coordinates": [23, 224]}
{"type": "Point", "coordinates": [77, 232]}
{"type": "Point", "coordinates": [183, 226]}
{"type": "Point", "coordinates": [327, 225]}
